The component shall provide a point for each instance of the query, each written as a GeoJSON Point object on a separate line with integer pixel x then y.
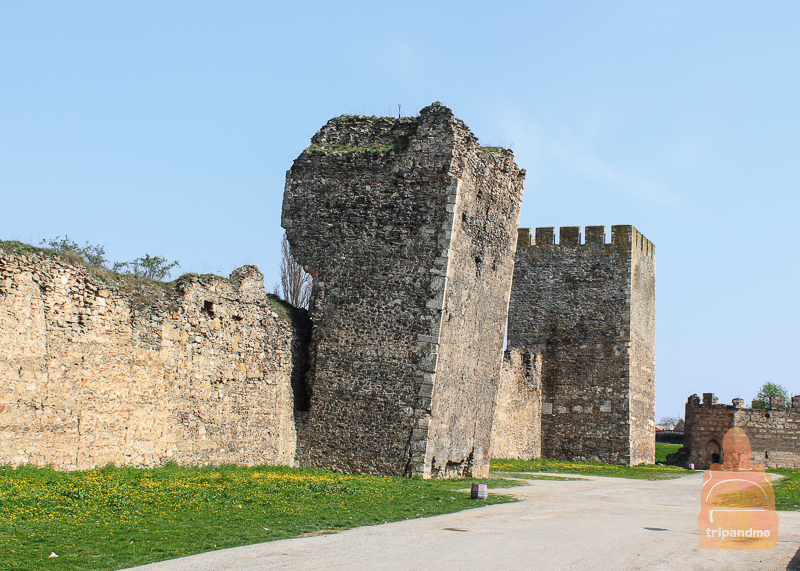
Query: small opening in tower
{"type": "Point", "coordinates": [208, 308]}
{"type": "Point", "coordinates": [478, 263]}
{"type": "Point", "coordinates": [464, 217]}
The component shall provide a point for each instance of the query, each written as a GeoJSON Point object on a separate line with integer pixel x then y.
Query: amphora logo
{"type": "Point", "coordinates": [737, 507]}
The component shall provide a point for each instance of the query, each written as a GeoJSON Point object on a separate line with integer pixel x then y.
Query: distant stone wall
{"type": "Point", "coordinates": [87, 379]}
{"type": "Point", "coordinates": [516, 430]}
{"type": "Point", "coordinates": [774, 433]}
{"type": "Point", "coordinates": [408, 227]}
{"type": "Point", "coordinates": [588, 309]}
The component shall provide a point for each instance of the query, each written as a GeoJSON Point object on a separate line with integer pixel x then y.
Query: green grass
{"type": "Point", "coordinates": [787, 489]}
{"type": "Point", "coordinates": [662, 449]}
{"type": "Point", "coordinates": [529, 476]}
{"type": "Point", "coordinates": [649, 472]}
{"type": "Point", "coordinates": [16, 247]}
{"type": "Point", "coordinates": [112, 518]}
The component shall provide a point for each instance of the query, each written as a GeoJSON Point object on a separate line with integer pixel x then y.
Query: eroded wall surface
{"type": "Point", "coordinates": [774, 433]}
{"type": "Point", "coordinates": [516, 429]}
{"type": "Point", "coordinates": [86, 379]}
{"type": "Point", "coordinates": [408, 228]}
{"type": "Point", "coordinates": [591, 319]}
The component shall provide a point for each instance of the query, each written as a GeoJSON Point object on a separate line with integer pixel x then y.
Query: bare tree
{"type": "Point", "coordinates": [295, 282]}
{"type": "Point", "coordinates": [668, 422]}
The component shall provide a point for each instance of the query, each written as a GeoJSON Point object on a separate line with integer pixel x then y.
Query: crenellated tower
{"type": "Point", "coordinates": [587, 310]}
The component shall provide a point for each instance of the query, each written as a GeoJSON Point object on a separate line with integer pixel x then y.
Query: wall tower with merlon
{"type": "Point", "coordinates": [587, 309]}
{"type": "Point", "coordinates": [773, 432]}
{"type": "Point", "coordinates": [408, 227]}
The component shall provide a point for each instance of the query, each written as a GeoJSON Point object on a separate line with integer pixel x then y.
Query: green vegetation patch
{"type": "Point", "coordinates": [285, 310]}
{"type": "Point", "coordinates": [146, 295]}
{"type": "Point", "coordinates": [648, 472]}
{"type": "Point", "coordinates": [787, 492]}
{"type": "Point", "coordinates": [15, 247]}
{"type": "Point", "coordinates": [787, 489]}
{"type": "Point", "coordinates": [352, 118]}
{"type": "Point", "coordinates": [112, 518]}
{"type": "Point", "coordinates": [529, 476]}
{"type": "Point", "coordinates": [662, 449]}
{"type": "Point", "coordinates": [347, 150]}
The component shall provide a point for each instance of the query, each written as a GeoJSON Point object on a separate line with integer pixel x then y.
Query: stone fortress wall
{"type": "Point", "coordinates": [774, 432]}
{"type": "Point", "coordinates": [408, 227]}
{"type": "Point", "coordinates": [517, 423]}
{"type": "Point", "coordinates": [88, 380]}
{"type": "Point", "coordinates": [585, 313]}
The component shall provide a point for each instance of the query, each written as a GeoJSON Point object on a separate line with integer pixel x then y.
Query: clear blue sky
{"type": "Point", "coordinates": [167, 128]}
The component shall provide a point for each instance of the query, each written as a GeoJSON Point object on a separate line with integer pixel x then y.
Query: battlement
{"type": "Point", "coordinates": [570, 296]}
{"type": "Point", "coordinates": [623, 237]}
{"type": "Point", "coordinates": [773, 431]}
{"type": "Point", "coordinates": [710, 400]}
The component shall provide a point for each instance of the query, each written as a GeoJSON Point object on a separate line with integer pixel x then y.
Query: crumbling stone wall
{"type": "Point", "coordinates": [408, 228]}
{"type": "Point", "coordinates": [86, 379]}
{"type": "Point", "coordinates": [516, 429]}
{"type": "Point", "coordinates": [774, 433]}
{"type": "Point", "coordinates": [588, 310]}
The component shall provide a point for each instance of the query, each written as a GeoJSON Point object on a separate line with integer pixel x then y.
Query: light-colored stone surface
{"type": "Point", "coordinates": [597, 524]}
{"type": "Point", "coordinates": [87, 379]}
{"type": "Point", "coordinates": [517, 424]}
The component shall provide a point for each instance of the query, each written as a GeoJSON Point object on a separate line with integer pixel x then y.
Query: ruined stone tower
{"type": "Point", "coordinates": [408, 227]}
{"type": "Point", "coordinates": [588, 312]}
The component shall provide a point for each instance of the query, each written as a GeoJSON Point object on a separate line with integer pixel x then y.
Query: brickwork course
{"type": "Point", "coordinates": [774, 432]}
{"type": "Point", "coordinates": [408, 227]}
{"type": "Point", "coordinates": [202, 377]}
{"type": "Point", "coordinates": [587, 310]}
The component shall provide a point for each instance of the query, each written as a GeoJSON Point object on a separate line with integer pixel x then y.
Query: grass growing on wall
{"type": "Point", "coordinates": [113, 518]}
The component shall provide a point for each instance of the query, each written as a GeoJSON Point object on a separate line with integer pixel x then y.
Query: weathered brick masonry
{"type": "Point", "coordinates": [408, 227]}
{"type": "Point", "coordinates": [588, 312]}
{"type": "Point", "coordinates": [86, 379]}
{"type": "Point", "coordinates": [774, 433]}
